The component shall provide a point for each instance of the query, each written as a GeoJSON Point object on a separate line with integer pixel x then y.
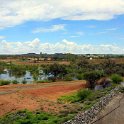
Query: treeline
{"type": "Point", "coordinates": [62, 56]}
{"type": "Point", "coordinates": [77, 70]}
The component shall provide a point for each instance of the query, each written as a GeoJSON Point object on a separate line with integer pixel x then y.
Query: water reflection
{"type": "Point", "coordinates": [28, 77]}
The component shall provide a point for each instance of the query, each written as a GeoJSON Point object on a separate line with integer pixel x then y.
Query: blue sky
{"type": "Point", "coordinates": [44, 27]}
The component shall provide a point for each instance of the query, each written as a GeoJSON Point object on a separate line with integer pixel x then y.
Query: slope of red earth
{"type": "Point", "coordinates": [36, 96]}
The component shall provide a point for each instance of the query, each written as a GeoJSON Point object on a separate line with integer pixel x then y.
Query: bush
{"type": "Point", "coordinates": [79, 76]}
{"type": "Point", "coordinates": [15, 82]}
{"type": "Point", "coordinates": [52, 79]}
{"type": "Point", "coordinates": [24, 82]}
{"type": "Point", "coordinates": [83, 94]}
{"type": "Point", "coordinates": [4, 82]}
{"type": "Point", "coordinates": [116, 78]}
{"type": "Point", "coordinates": [76, 97]}
{"type": "Point", "coordinates": [68, 77]}
{"type": "Point", "coordinates": [43, 81]}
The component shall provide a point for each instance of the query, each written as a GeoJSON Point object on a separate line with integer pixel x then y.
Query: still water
{"type": "Point", "coordinates": [27, 77]}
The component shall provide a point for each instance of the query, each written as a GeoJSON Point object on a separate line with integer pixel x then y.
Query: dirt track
{"type": "Point", "coordinates": [35, 96]}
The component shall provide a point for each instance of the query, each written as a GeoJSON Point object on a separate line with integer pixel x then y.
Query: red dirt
{"type": "Point", "coordinates": [12, 102]}
{"type": "Point", "coordinates": [54, 92]}
{"type": "Point", "coordinates": [36, 96]}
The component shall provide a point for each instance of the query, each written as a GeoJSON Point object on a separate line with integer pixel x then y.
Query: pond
{"type": "Point", "coordinates": [28, 77]}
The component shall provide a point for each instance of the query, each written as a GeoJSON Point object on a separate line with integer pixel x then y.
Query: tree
{"type": "Point", "coordinates": [92, 77]}
{"type": "Point", "coordinates": [57, 70]}
{"type": "Point", "coordinates": [82, 63]}
{"type": "Point", "coordinates": [109, 66]}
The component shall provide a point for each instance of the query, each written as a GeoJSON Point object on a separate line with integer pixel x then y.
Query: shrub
{"type": "Point", "coordinates": [15, 82]}
{"type": "Point", "coordinates": [52, 79]}
{"type": "Point", "coordinates": [116, 78]}
{"type": "Point", "coordinates": [68, 77]}
{"type": "Point", "coordinates": [79, 76]}
{"type": "Point", "coordinates": [4, 82]}
{"type": "Point", "coordinates": [76, 97]}
{"type": "Point", "coordinates": [43, 81]}
{"type": "Point", "coordinates": [24, 82]}
{"type": "Point", "coordinates": [83, 94]}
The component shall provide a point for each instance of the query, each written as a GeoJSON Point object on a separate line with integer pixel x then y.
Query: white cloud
{"type": "Point", "coordinates": [105, 31]}
{"type": "Point", "coordinates": [74, 36]}
{"type": "Point", "coordinates": [111, 29]}
{"type": "Point", "coordinates": [77, 34]}
{"type": "Point", "coordinates": [101, 32]}
{"type": "Point", "coordinates": [53, 28]}
{"type": "Point", "coordinates": [91, 26]}
{"type": "Point", "coordinates": [14, 12]}
{"type": "Point", "coordinates": [80, 33]}
{"type": "Point", "coordinates": [63, 46]}
{"type": "Point", "coordinates": [2, 37]}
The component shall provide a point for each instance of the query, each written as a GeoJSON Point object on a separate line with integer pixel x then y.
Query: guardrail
{"type": "Point", "coordinates": [89, 115]}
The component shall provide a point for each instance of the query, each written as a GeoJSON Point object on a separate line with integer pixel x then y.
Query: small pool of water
{"type": "Point", "coordinates": [27, 77]}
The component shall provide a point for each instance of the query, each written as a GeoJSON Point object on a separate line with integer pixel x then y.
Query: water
{"type": "Point", "coordinates": [122, 83]}
{"type": "Point", "coordinates": [27, 77]}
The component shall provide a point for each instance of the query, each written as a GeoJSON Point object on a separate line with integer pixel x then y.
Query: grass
{"type": "Point", "coordinates": [43, 81]}
{"type": "Point", "coordinates": [75, 97]}
{"type": "Point", "coordinates": [4, 82]}
{"type": "Point", "coordinates": [15, 82]}
{"type": "Point", "coordinates": [27, 117]}
{"type": "Point", "coordinates": [69, 98]}
{"type": "Point", "coordinates": [116, 78]}
{"type": "Point", "coordinates": [85, 97]}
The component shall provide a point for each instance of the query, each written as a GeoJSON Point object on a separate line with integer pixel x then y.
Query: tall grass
{"type": "Point", "coordinates": [4, 82]}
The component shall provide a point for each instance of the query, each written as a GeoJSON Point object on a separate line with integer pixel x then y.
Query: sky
{"type": "Point", "coordinates": [62, 26]}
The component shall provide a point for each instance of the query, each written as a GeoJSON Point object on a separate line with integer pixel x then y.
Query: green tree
{"type": "Point", "coordinates": [57, 70]}
{"type": "Point", "coordinates": [109, 66]}
{"type": "Point", "coordinates": [92, 77]}
{"type": "Point", "coordinates": [82, 63]}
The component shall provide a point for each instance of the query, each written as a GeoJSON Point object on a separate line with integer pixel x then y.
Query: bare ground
{"type": "Point", "coordinates": [36, 96]}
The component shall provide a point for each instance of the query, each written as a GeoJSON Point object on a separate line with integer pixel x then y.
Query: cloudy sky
{"type": "Point", "coordinates": [50, 26]}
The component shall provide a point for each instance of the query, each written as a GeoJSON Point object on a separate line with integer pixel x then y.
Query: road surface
{"type": "Point", "coordinates": [114, 113]}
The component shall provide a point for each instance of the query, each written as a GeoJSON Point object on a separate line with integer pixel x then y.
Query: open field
{"type": "Point", "coordinates": [93, 61]}
{"type": "Point", "coordinates": [18, 62]}
{"type": "Point", "coordinates": [116, 60]}
{"type": "Point", "coordinates": [37, 96]}
{"type": "Point", "coordinates": [41, 63]}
